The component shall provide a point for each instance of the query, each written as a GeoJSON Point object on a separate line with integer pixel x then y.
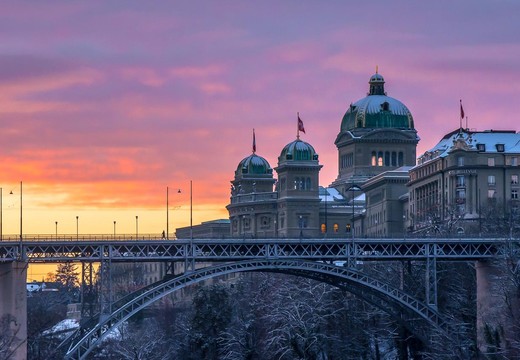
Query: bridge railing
{"type": "Point", "coordinates": [84, 237]}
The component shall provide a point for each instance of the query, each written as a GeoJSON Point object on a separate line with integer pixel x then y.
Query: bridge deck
{"type": "Point", "coordinates": [128, 250]}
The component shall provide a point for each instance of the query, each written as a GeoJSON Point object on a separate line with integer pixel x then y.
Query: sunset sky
{"type": "Point", "coordinates": [105, 104]}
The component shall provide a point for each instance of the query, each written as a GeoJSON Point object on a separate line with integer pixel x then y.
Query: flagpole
{"type": "Point", "coordinates": [461, 113]}
{"type": "Point", "coordinates": [298, 125]}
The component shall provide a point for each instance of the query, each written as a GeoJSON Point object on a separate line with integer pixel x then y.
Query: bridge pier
{"type": "Point", "coordinates": [13, 307]}
{"type": "Point", "coordinates": [498, 312]}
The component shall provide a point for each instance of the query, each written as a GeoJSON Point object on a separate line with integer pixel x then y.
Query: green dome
{"type": "Point", "coordinates": [377, 110]}
{"type": "Point", "coordinates": [298, 151]}
{"type": "Point", "coordinates": [254, 165]}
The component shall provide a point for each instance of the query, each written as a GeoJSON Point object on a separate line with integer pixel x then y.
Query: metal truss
{"type": "Point", "coordinates": [88, 291]}
{"type": "Point", "coordinates": [410, 310]}
{"type": "Point", "coordinates": [235, 250]}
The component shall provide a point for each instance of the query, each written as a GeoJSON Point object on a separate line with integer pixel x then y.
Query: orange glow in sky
{"type": "Point", "coordinates": [103, 105]}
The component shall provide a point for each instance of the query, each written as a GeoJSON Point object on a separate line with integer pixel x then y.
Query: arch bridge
{"type": "Point", "coordinates": [311, 258]}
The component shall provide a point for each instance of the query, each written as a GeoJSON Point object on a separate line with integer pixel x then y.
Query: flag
{"type": "Point", "coordinates": [254, 141]}
{"type": "Point", "coordinates": [461, 111]}
{"type": "Point", "coordinates": [300, 125]}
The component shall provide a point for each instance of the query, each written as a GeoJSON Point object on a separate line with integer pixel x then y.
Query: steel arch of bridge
{"type": "Point", "coordinates": [413, 313]}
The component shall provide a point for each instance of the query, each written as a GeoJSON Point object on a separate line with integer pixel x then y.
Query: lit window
{"type": "Point", "coordinates": [336, 228]}
{"type": "Point", "coordinates": [374, 159]}
{"type": "Point", "coordinates": [323, 228]}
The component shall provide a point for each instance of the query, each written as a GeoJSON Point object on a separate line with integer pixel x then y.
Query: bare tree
{"type": "Point", "coordinates": [8, 336]}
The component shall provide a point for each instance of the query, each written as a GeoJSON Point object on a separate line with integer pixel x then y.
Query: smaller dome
{"type": "Point", "coordinates": [254, 165]}
{"type": "Point", "coordinates": [298, 150]}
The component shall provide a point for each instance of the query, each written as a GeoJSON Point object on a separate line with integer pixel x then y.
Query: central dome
{"type": "Point", "coordinates": [377, 110]}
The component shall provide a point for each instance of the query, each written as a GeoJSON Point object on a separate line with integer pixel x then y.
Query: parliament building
{"type": "Point", "coordinates": [382, 189]}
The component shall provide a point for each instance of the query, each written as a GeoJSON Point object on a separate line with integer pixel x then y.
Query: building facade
{"type": "Point", "coordinates": [376, 136]}
{"type": "Point", "coordinates": [467, 184]}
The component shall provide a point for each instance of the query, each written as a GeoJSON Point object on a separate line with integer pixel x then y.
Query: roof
{"type": "Point", "coordinates": [298, 150]}
{"type": "Point", "coordinates": [254, 165]}
{"type": "Point", "coordinates": [377, 110]}
{"type": "Point", "coordinates": [482, 141]}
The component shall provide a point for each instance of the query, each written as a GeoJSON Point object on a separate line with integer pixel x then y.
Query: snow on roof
{"type": "Point", "coordinates": [330, 194]}
{"type": "Point", "coordinates": [475, 140]}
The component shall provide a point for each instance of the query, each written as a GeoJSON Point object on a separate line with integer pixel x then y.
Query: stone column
{"type": "Point", "coordinates": [13, 306]}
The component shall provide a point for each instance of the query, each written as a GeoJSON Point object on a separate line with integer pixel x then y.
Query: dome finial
{"type": "Point", "coordinates": [377, 72]}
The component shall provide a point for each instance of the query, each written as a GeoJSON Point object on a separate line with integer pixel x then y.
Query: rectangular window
{"type": "Point", "coordinates": [514, 194]}
{"type": "Point", "coordinates": [460, 161]}
{"type": "Point", "coordinates": [491, 180]}
{"type": "Point", "coordinates": [514, 179]}
{"type": "Point", "coordinates": [460, 196]}
{"type": "Point", "coordinates": [514, 161]}
{"type": "Point", "coordinates": [491, 161]}
{"type": "Point", "coordinates": [461, 181]}
{"type": "Point", "coordinates": [491, 194]}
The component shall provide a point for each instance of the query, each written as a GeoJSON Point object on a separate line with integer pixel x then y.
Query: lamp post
{"type": "Point", "coordinates": [352, 189]}
{"type": "Point", "coordinates": [56, 229]}
{"type": "Point", "coordinates": [77, 227]}
{"type": "Point", "coordinates": [1, 216]}
{"type": "Point", "coordinates": [167, 211]}
{"type": "Point", "coordinates": [114, 229]}
{"type": "Point", "coordinates": [191, 209]}
{"type": "Point", "coordinates": [21, 218]}
{"type": "Point", "coordinates": [136, 227]}
{"type": "Point", "coordinates": [300, 223]}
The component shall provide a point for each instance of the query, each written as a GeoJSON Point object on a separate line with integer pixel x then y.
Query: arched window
{"type": "Point", "coordinates": [374, 159]}
{"type": "Point", "coordinates": [387, 158]}
{"type": "Point", "coordinates": [380, 158]}
{"type": "Point", "coordinates": [394, 158]}
{"type": "Point", "coordinates": [336, 228]}
{"type": "Point", "coordinates": [401, 159]}
{"type": "Point", "coordinates": [323, 228]}
{"type": "Point", "coordinates": [308, 183]}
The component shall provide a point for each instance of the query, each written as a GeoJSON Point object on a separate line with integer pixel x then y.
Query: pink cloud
{"type": "Point", "coordinates": [104, 105]}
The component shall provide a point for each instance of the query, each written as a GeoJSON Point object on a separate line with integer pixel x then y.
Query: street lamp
{"type": "Point", "coordinates": [114, 229]}
{"type": "Point", "coordinates": [300, 223]}
{"type": "Point", "coordinates": [191, 210]}
{"type": "Point", "coordinates": [21, 218]}
{"type": "Point", "coordinates": [352, 189]}
{"type": "Point", "coordinates": [1, 216]}
{"type": "Point", "coordinates": [77, 227]}
{"type": "Point", "coordinates": [136, 227]}
{"type": "Point", "coordinates": [56, 229]}
{"type": "Point", "coordinates": [167, 212]}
